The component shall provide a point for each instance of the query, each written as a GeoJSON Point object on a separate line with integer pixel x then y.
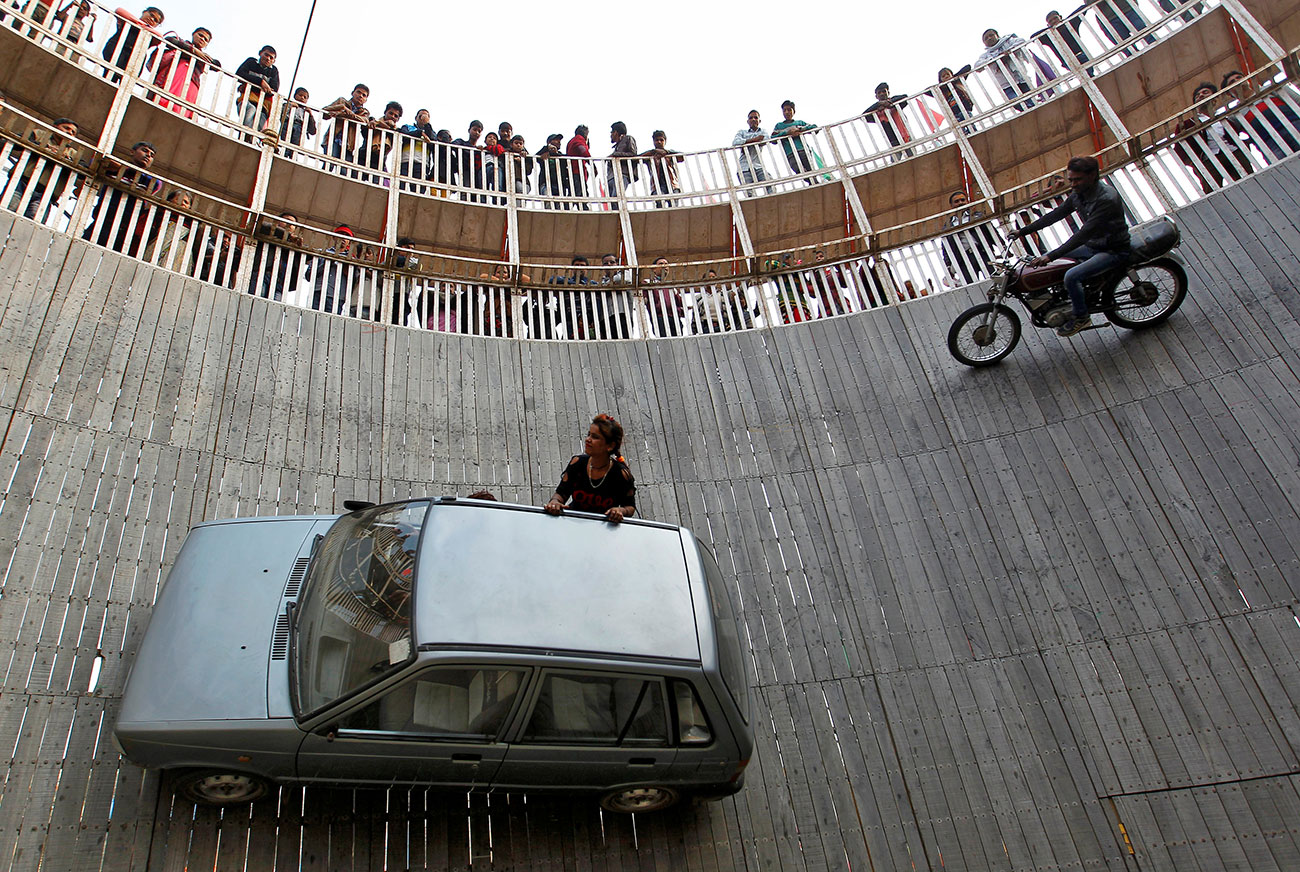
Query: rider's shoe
{"type": "Point", "coordinates": [1077, 324]}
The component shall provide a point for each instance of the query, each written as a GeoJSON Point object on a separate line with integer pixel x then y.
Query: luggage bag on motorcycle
{"type": "Point", "coordinates": [1154, 238]}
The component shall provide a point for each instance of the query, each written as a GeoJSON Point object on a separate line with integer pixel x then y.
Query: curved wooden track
{"type": "Point", "coordinates": [1037, 617]}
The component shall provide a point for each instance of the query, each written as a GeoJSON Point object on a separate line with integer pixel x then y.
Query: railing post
{"type": "Point", "coordinates": [517, 294]}
{"type": "Point", "coordinates": [257, 205]}
{"type": "Point", "coordinates": [125, 89]}
{"type": "Point", "coordinates": [394, 190]}
{"type": "Point", "coordinates": [850, 190]}
{"type": "Point", "coordinates": [512, 211]}
{"type": "Point", "coordinates": [738, 222]}
{"type": "Point", "coordinates": [968, 154]}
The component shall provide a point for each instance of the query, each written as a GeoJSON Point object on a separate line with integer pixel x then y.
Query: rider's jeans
{"type": "Point", "coordinates": [1092, 263]}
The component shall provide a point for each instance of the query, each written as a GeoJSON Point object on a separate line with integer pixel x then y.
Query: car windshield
{"type": "Point", "coordinates": [354, 618]}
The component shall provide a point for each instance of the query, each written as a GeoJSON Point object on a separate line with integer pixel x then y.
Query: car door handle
{"type": "Point", "coordinates": [641, 761]}
{"type": "Point", "coordinates": [466, 758]}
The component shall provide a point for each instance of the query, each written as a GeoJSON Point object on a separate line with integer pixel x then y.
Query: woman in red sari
{"type": "Point", "coordinates": [182, 66]}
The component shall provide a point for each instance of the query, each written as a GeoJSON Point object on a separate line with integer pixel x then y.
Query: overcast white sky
{"type": "Point", "coordinates": [693, 69]}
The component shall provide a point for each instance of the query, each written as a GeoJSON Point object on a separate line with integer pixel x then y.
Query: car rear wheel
{"type": "Point", "coordinates": [639, 799]}
{"type": "Point", "coordinates": [216, 787]}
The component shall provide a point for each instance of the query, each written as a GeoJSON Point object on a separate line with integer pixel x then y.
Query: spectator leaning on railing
{"type": "Point", "coordinates": [40, 175]}
{"type": "Point", "coordinates": [169, 238]}
{"type": "Point", "coordinates": [662, 163]}
{"type": "Point", "coordinates": [665, 301]}
{"type": "Point", "coordinates": [261, 80]}
{"type": "Point", "coordinates": [414, 159]}
{"type": "Point", "coordinates": [1067, 35]}
{"type": "Point", "coordinates": [346, 138]}
{"type": "Point", "coordinates": [967, 252]}
{"type": "Point", "coordinates": [1213, 153]}
{"type": "Point", "coordinates": [118, 48]}
{"type": "Point", "coordinates": [278, 266]}
{"type": "Point", "coordinates": [82, 23]}
{"type": "Point", "coordinates": [297, 120]}
{"type": "Point", "coordinates": [751, 140]}
{"type": "Point", "coordinates": [182, 65]}
{"type": "Point", "coordinates": [327, 274]}
{"type": "Point", "coordinates": [113, 220]}
{"type": "Point", "coordinates": [614, 280]}
{"type": "Point", "coordinates": [549, 161]}
{"type": "Point", "coordinates": [952, 87]}
{"type": "Point", "coordinates": [886, 112]}
{"type": "Point", "coordinates": [1005, 58]}
{"type": "Point", "coordinates": [381, 141]}
{"type": "Point", "coordinates": [1272, 121]}
{"type": "Point", "coordinates": [471, 158]}
{"type": "Point", "coordinates": [789, 131]}
{"type": "Point", "coordinates": [522, 164]}
{"type": "Point", "coordinates": [575, 170]}
{"type": "Point", "coordinates": [549, 309]}
{"type": "Point", "coordinates": [493, 152]}
{"type": "Point", "coordinates": [1119, 14]}
{"type": "Point", "coordinates": [622, 155]}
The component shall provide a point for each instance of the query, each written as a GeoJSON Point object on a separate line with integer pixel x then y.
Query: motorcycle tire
{"type": "Point", "coordinates": [1159, 291]}
{"type": "Point", "coordinates": [984, 334]}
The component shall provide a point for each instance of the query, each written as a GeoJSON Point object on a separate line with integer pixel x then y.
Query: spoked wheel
{"type": "Point", "coordinates": [984, 334]}
{"type": "Point", "coordinates": [1157, 294]}
{"type": "Point", "coordinates": [218, 787]}
{"type": "Point", "coordinates": [638, 799]}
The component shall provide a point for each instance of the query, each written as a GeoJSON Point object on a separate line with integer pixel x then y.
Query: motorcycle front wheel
{"type": "Point", "coordinates": [984, 334]}
{"type": "Point", "coordinates": [1159, 290]}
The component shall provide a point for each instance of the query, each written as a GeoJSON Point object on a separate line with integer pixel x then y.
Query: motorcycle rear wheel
{"type": "Point", "coordinates": [984, 334]}
{"type": "Point", "coordinates": [1157, 294]}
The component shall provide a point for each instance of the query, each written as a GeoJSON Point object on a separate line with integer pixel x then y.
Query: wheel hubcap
{"type": "Point", "coordinates": [228, 788]}
{"type": "Point", "coordinates": [984, 335]}
{"type": "Point", "coordinates": [1145, 293]}
{"type": "Point", "coordinates": [642, 798]}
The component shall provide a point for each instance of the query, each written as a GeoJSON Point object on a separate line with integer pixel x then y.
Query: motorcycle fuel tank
{"type": "Point", "coordinates": [1036, 278]}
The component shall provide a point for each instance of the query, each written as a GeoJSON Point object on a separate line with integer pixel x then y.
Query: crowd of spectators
{"type": "Point", "coordinates": [358, 139]}
{"type": "Point", "coordinates": [1230, 133]}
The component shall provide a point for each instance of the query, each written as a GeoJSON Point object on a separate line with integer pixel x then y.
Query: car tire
{"type": "Point", "coordinates": [639, 799]}
{"type": "Point", "coordinates": [219, 787]}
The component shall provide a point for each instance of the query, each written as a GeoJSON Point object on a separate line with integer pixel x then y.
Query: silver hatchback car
{"type": "Point", "coordinates": [461, 643]}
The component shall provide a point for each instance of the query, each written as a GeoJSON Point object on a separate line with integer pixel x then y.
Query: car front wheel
{"type": "Point", "coordinates": [217, 787]}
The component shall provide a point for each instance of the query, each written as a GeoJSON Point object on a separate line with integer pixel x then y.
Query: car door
{"type": "Point", "coordinates": [440, 726]}
{"type": "Point", "coordinates": [589, 730]}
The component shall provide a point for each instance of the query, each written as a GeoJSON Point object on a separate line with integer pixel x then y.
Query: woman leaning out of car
{"type": "Point", "coordinates": [599, 480]}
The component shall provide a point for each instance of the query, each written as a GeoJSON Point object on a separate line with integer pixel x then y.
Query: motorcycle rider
{"type": "Point", "coordinates": [1100, 244]}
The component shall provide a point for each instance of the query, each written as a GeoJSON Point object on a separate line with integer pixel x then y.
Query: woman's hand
{"type": "Point", "coordinates": [554, 507]}
{"type": "Point", "coordinates": [615, 515]}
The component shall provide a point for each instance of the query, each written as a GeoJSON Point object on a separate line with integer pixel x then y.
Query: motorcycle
{"type": "Point", "coordinates": [1141, 295]}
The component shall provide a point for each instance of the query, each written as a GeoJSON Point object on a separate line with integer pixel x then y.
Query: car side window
{"type": "Point", "coordinates": [577, 708]}
{"type": "Point", "coordinates": [453, 703]}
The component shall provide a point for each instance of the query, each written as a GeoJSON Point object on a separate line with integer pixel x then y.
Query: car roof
{"type": "Point", "coordinates": [492, 575]}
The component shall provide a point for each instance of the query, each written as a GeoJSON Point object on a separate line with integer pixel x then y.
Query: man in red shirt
{"type": "Point", "coordinates": [573, 173]}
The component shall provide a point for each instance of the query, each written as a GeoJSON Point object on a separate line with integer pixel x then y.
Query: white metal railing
{"type": "Point", "coordinates": [59, 179]}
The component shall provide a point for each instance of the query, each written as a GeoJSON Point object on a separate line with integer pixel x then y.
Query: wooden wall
{"type": "Point", "coordinates": [1036, 617]}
